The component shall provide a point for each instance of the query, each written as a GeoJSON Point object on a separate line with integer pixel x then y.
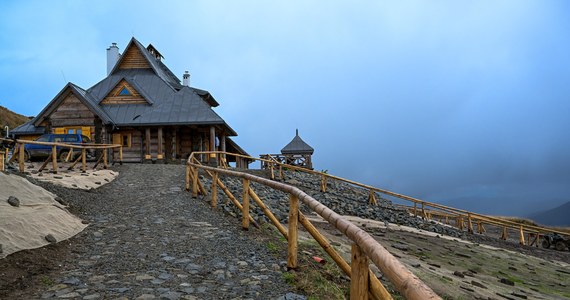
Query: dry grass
{"type": "Point", "coordinates": [11, 118]}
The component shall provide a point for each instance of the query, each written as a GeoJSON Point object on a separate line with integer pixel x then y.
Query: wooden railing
{"type": "Point", "coordinates": [363, 282]}
{"type": "Point", "coordinates": [462, 219]}
{"type": "Point", "coordinates": [19, 153]}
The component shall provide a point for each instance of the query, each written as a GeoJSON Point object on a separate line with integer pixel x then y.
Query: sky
{"type": "Point", "coordinates": [464, 103]}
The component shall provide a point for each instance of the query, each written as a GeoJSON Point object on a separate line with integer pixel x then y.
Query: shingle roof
{"type": "Point", "coordinates": [28, 128]}
{"type": "Point", "coordinates": [297, 146]}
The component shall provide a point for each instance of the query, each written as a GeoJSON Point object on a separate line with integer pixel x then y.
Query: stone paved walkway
{"type": "Point", "coordinates": [148, 239]}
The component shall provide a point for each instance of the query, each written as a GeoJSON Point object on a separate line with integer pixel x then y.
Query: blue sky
{"type": "Point", "coordinates": [460, 102]}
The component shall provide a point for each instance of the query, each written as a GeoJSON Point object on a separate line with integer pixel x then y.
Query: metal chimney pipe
{"type": "Point", "coordinates": [112, 57]}
{"type": "Point", "coordinates": [186, 79]}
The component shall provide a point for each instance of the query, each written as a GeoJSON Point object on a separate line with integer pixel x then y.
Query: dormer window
{"type": "Point", "coordinates": [124, 92]}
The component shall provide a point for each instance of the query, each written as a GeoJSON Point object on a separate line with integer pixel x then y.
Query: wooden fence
{"type": "Point", "coordinates": [19, 154]}
{"type": "Point", "coordinates": [364, 284]}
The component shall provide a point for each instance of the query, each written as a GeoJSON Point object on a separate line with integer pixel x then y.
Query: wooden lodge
{"type": "Point", "coordinates": [140, 105]}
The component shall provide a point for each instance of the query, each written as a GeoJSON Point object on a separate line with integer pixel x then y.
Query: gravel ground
{"type": "Point", "coordinates": [147, 239]}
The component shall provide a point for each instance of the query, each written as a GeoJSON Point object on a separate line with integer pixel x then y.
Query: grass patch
{"type": "Point", "coordinates": [46, 281]}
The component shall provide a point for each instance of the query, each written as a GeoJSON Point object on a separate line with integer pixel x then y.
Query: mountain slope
{"type": "Point", "coordinates": [558, 216]}
{"type": "Point", "coordinates": [10, 118]}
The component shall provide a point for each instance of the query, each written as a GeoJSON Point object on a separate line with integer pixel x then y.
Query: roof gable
{"type": "Point", "coordinates": [80, 94]}
{"type": "Point", "coordinates": [124, 93]}
{"type": "Point", "coordinates": [136, 56]}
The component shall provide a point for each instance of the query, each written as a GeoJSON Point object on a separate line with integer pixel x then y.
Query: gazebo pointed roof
{"type": "Point", "coordinates": [297, 146]}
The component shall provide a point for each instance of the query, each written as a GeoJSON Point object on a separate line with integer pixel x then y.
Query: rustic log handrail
{"type": "Point", "coordinates": [459, 212]}
{"type": "Point", "coordinates": [53, 156]}
{"type": "Point", "coordinates": [405, 282]}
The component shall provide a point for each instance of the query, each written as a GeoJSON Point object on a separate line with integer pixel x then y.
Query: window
{"type": "Point", "coordinates": [126, 142]}
{"type": "Point", "coordinates": [124, 92]}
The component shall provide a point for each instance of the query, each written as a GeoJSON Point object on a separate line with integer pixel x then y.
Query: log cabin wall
{"type": "Point", "coordinates": [134, 59]}
{"type": "Point", "coordinates": [71, 112]}
{"type": "Point", "coordinates": [132, 141]}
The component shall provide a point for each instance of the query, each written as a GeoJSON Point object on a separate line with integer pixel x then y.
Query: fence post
{"type": "Point", "coordinates": [194, 182]}
{"type": "Point", "coordinates": [104, 158]}
{"type": "Point", "coordinates": [415, 209]}
{"type": "Point", "coordinates": [188, 169]}
{"type": "Point", "coordinates": [423, 212]}
{"type": "Point", "coordinates": [54, 159]}
{"type": "Point", "coordinates": [360, 275]}
{"type": "Point", "coordinates": [83, 161]}
{"type": "Point", "coordinates": [271, 169]}
{"type": "Point", "coordinates": [323, 183]}
{"type": "Point", "coordinates": [21, 158]}
{"type": "Point", "coordinates": [469, 224]}
{"type": "Point", "coordinates": [214, 189]}
{"type": "Point", "coordinates": [245, 208]}
{"type": "Point", "coordinates": [292, 240]}
{"type": "Point", "coordinates": [281, 172]}
{"type": "Point", "coordinates": [521, 237]}
{"type": "Point", "coordinates": [505, 233]}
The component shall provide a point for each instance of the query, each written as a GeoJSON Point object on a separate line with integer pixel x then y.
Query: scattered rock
{"type": "Point", "coordinates": [478, 284]}
{"type": "Point", "coordinates": [51, 239]}
{"type": "Point", "coordinates": [401, 247]}
{"type": "Point", "coordinates": [14, 201]}
{"type": "Point", "coordinates": [458, 274]}
{"type": "Point", "coordinates": [507, 281]}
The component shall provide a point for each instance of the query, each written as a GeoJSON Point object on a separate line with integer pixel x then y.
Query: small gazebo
{"type": "Point", "coordinates": [298, 153]}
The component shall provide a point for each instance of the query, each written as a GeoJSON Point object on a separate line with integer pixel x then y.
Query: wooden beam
{"type": "Point", "coordinates": [83, 160]}
{"type": "Point", "coordinates": [160, 155]}
{"type": "Point", "coordinates": [360, 274]}
{"type": "Point", "coordinates": [105, 158]}
{"type": "Point", "coordinates": [293, 232]}
{"type": "Point", "coordinates": [245, 209]}
{"type": "Point", "coordinates": [147, 144]}
{"type": "Point", "coordinates": [268, 213]}
{"type": "Point", "coordinates": [212, 144]}
{"type": "Point", "coordinates": [54, 159]}
{"type": "Point", "coordinates": [21, 158]}
{"type": "Point", "coordinates": [214, 202]}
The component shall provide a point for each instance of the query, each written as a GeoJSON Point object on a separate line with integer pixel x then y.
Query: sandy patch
{"type": "Point", "coordinates": [77, 180]}
{"type": "Point", "coordinates": [38, 215]}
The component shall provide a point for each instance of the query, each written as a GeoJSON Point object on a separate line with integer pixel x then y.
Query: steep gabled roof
{"type": "Point", "coordinates": [297, 146]}
{"type": "Point", "coordinates": [81, 94]}
{"type": "Point", "coordinates": [28, 128]}
{"type": "Point", "coordinates": [156, 65]}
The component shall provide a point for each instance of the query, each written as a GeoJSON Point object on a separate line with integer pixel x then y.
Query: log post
{"type": "Point", "coordinates": [505, 234]}
{"type": "Point", "coordinates": [121, 155]}
{"type": "Point", "coordinates": [223, 145]}
{"type": "Point", "coordinates": [212, 159]}
{"type": "Point", "coordinates": [469, 224]}
{"type": "Point", "coordinates": [245, 208]}
{"type": "Point", "coordinates": [415, 209]}
{"type": "Point", "coordinates": [372, 197]}
{"type": "Point", "coordinates": [423, 212]}
{"type": "Point", "coordinates": [188, 170]}
{"type": "Point", "coordinates": [54, 159]}
{"type": "Point", "coordinates": [194, 182]}
{"type": "Point", "coordinates": [271, 170]}
{"type": "Point", "coordinates": [214, 189]}
{"type": "Point", "coordinates": [292, 241]}
{"type": "Point", "coordinates": [105, 165]}
{"type": "Point", "coordinates": [323, 183]}
{"type": "Point", "coordinates": [21, 158]}
{"type": "Point", "coordinates": [360, 274]}
{"type": "Point", "coordinates": [521, 235]}
{"type": "Point", "coordinates": [282, 177]}
{"type": "Point", "coordinates": [83, 161]}
{"type": "Point", "coordinates": [147, 144]}
{"type": "Point", "coordinates": [160, 154]}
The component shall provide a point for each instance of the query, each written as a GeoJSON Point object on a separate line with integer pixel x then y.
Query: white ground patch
{"type": "Point", "coordinates": [38, 215]}
{"type": "Point", "coordinates": [77, 180]}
